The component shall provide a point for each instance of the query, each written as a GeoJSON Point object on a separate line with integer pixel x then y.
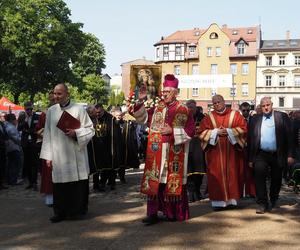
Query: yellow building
{"type": "Point", "coordinates": [212, 61]}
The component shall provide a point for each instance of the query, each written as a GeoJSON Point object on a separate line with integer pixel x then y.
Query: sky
{"type": "Point", "coordinates": [129, 28]}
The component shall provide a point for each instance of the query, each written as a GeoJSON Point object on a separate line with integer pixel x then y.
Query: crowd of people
{"type": "Point", "coordinates": [243, 153]}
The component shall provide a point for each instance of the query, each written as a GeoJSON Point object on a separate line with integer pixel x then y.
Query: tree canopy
{"type": "Point", "coordinates": [38, 43]}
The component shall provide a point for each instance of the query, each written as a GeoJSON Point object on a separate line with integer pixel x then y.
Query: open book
{"type": "Point", "coordinates": [67, 121]}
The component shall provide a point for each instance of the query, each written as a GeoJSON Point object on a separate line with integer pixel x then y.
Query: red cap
{"type": "Point", "coordinates": [170, 81]}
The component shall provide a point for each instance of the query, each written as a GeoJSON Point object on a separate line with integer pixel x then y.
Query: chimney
{"type": "Point", "coordinates": [162, 38]}
{"type": "Point", "coordinates": [224, 26]}
{"type": "Point", "coordinates": [287, 35]}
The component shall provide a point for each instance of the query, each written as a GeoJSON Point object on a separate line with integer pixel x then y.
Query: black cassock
{"type": "Point", "coordinates": [129, 152]}
{"type": "Point", "coordinates": [105, 149]}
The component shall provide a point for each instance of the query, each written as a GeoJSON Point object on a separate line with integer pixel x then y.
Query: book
{"type": "Point", "coordinates": [67, 121]}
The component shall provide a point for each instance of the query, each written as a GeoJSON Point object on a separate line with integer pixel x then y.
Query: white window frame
{"type": "Point", "coordinates": [157, 52]}
{"type": "Point", "coordinates": [245, 68]}
{"type": "Point", "coordinates": [297, 60]}
{"type": "Point", "coordinates": [268, 60]}
{"type": "Point", "coordinates": [245, 89]}
{"type": "Point", "coordinates": [241, 48]}
{"type": "Point", "coordinates": [176, 69]}
{"type": "Point", "coordinates": [281, 80]}
{"type": "Point", "coordinates": [268, 80]}
{"type": "Point", "coordinates": [209, 51]}
{"type": "Point", "coordinates": [281, 60]}
{"type": "Point", "coordinates": [297, 80]}
{"type": "Point", "coordinates": [195, 92]}
{"type": "Point", "coordinates": [214, 69]}
{"type": "Point", "coordinates": [233, 68]}
{"type": "Point", "coordinates": [218, 51]}
{"type": "Point", "coordinates": [178, 50]}
{"type": "Point", "coordinates": [195, 69]}
{"type": "Point", "coordinates": [213, 91]}
{"type": "Point", "coordinates": [166, 51]}
{"type": "Point", "coordinates": [192, 50]}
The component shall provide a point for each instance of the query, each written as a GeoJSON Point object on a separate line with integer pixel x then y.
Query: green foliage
{"type": "Point", "coordinates": [91, 59]}
{"type": "Point", "coordinates": [38, 42]}
{"type": "Point", "coordinates": [116, 99]}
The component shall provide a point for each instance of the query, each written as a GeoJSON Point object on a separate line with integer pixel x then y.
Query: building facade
{"type": "Point", "coordinates": [198, 55]}
{"type": "Point", "coordinates": [278, 73]}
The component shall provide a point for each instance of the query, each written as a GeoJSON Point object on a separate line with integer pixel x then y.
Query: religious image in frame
{"type": "Point", "coordinates": [148, 76]}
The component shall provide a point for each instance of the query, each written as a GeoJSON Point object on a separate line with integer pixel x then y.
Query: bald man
{"type": "Point", "coordinates": [66, 154]}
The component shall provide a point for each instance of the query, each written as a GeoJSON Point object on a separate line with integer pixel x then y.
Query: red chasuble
{"type": "Point", "coordinates": [177, 116]}
{"type": "Point", "coordinates": [224, 160]}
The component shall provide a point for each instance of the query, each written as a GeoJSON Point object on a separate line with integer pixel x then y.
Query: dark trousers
{"type": "Point", "coordinates": [71, 198]}
{"type": "Point", "coordinates": [194, 183]}
{"type": "Point", "coordinates": [13, 165]}
{"type": "Point", "coordinates": [31, 163]}
{"type": "Point", "coordinates": [2, 165]}
{"type": "Point", "coordinates": [105, 175]}
{"type": "Point", "coordinates": [266, 165]}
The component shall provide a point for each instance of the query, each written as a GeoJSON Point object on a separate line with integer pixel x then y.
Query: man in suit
{"type": "Point", "coordinates": [29, 146]}
{"type": "Point", "coordinates": [270, 149]}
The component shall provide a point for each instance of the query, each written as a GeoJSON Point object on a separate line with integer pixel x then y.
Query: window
{"type": "Point", "coordinates": [218, 51]}
{"type": "Point", "coordinates": [268, 60]}
{"type": "Point", "coordinates": [214, 69]}
{"type": "Point", "coordinates": [268, 81]}
{"type": "Point", "coordinates": [195, 92]}
{"type": "Point", "coordinates": [245, 89]}
{"type": "Point", "coordinates": [192, 50]}
{"type": "Point", "coordinates": [213, 35]}
{"type": "Point", "coordinates": [233, 90]}
{"type": "Point", "coordinates": [281, 101]}
{"type": "Point", "coordinates": [297, 80]}
{"type": "Point", "coordinates": [177, 51]}
{"type": "Point", "coordinates": [281, 60]}
{"type": "Point", "coordinates": [245, 68]}
{"type": "Point", "coordinates": [166, 52]}
{"type": "Point", "coordinates": [178, 91]}
{"type": "Point", "coordinates": [157, 52]}
{"type": "Point", "coordinates": [213, 91]}
{"type": "Point", "coordinates": [241, 48]}
{"type": "Point", "coordinates": [297, 60]}
{"type": "Point", "coordinates": [233, 68]}
{"type": "Point", "coordinates": [195, 69]}
{"type": "Point", "coordinates": [176, 69]}
{"type": "Point", "coordinates": [281, 81]}
{"type": "Point", "coordinates": [209, 51]}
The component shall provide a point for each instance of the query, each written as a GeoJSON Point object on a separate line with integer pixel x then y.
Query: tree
{"type": "Point", "coordinates": [38, 42]}
{"type": "Point", "coordinates": [91, 59]}
{"type": "Point", "coordinates": [95, 89]}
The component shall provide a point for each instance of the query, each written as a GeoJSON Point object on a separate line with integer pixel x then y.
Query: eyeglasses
{"type": "Point", "coordinates": [166, 91]}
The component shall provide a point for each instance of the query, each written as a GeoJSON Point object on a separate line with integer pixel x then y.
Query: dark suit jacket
{"type": "Point", "coordinates": [29, 130]}
{"type": "Point", "coordinates": [284, 140]}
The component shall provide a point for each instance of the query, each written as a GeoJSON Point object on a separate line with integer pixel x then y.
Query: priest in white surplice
{"type": "Point", "coordinates": [66, 154]}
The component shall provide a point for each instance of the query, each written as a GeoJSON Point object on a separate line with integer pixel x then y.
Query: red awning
{"type": "Point", "coordinates": [6, 105]}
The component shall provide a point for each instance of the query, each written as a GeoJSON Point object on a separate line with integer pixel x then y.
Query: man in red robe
{"type": "Point", "coordinates": [222, 135]}
{"type": "Point", "coordinates": [171, 127]}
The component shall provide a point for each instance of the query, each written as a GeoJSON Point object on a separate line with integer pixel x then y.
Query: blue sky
{"type": "Point", "coordinates": [129, 28]}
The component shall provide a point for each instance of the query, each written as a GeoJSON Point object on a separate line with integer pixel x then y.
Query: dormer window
{"type": "Point", "coordinates": [197, 33]}
{"type": "Point", "coordinates": [241, 48]}
{"type": "Point", "coordinates": [192, 50]}
{"type": "Point", "coordinates": [234, 32]}
{"type": "Point", "coordinates": [250, 31]}
{"type": "Point", "coordinates": [213, 35]}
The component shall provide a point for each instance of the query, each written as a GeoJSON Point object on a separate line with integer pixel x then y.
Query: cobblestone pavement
{"type": "Point", "coordinates": [114, 222]}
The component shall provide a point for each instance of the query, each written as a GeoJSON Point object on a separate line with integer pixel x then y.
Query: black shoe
{"type": "Point", "coordinates": [273, 205]}
{"type": "Point", "coordinates": [122, 180]}
{"type": "Point", "coordinates": [29, 186]}
{"type": "Point", "coordinates": [3, 187]}
{"type": "Point", "coordinates": [56, 218]}
{"type": "Point", "coordinates": [35, 187]}
{"type": "Point", "coordinates": [113, 187]}
{"type": "Point", "coordinates": [261, 209]}
{"type": "Point", "coordinates": [150, 220]}
{"type": "Point", "coordinates": [218, 209]}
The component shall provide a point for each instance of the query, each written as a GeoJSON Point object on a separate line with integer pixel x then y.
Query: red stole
{"type": "Point", "coordinates": [174, 156]}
